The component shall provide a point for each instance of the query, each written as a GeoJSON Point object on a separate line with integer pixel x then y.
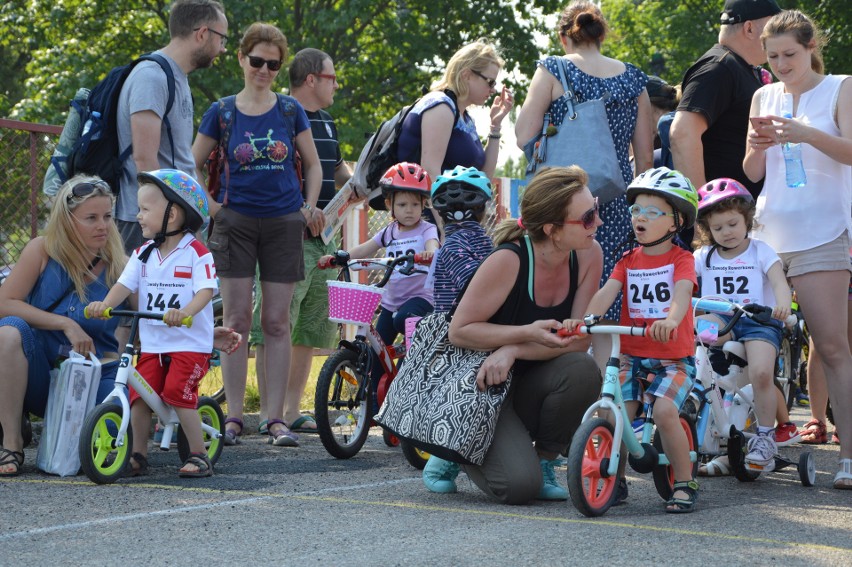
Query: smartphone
{"type": "Point", "coordinates": [760, 121]}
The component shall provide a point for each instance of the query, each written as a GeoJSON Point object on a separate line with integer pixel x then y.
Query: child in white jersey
{"type": "Point", "coordinates": [744, 270]}
{"type": "Point", "coordinates": [173, 274]}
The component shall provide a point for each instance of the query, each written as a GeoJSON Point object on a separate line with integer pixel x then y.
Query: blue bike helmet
{"type": "Point", "coordinates": [182, 190]}
{"type": "Point", "coordinates": [459, 193]}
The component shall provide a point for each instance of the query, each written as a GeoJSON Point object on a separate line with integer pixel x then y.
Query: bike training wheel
{"type": "Point", "coordinates": [210, 413]}
{"type": "Point", "coordinates": [785, 373]}
{"type": "Point", "coordinates": [102, 461]}
{"type": "Point", "coordinates": [588, 458]}
{"type": "Point", "coordinates": [416, 457]}
{"type": "Point", "coordinates": [807, 469]}
{"type": "Point", "coordinates": [737, 450]}
{"type": "Point", "coordinates": [389, 438]}
{"type": "Point", "coordinates": [664, 477]}
{"type": "Point", "coordinates": [341, 405]}
{"type": "Point", "coordinates": [214, 383]}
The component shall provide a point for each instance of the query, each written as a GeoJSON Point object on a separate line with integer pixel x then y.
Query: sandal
{"type": "Point", "coordinates": [621, 493]}
{"type": "Point", "coordinates": [15, 458]}
{"type": "Point", "coordinates": [284, 438]}
{"type": "Point", "coordinates": [232, 437]}
{"type": "Point", "coordinates": [683, 505]}
{"type": "Point", "coordinates": [203, 464]}
{"type": "Point", "coordinates": [141, 468]}
{"type": "Point", "coordinates": [814, 433]}
{"type": "Point", "coordinates": [843, 478]}
{"type": "Point", "coordinates": [263, 427]}
{"type": "Point", "coordinates": [715, 467]}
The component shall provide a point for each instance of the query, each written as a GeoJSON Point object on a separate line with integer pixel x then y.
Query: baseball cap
{"type": "Point", "coordinates": [738, 11]}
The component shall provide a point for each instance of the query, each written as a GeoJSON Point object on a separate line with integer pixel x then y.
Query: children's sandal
{"type": "Point", "coordinates": [202, 463]}
{"type": "Point", "coordinates": [232, 437]}
{"type": "Point", "coordinates": [683, 505]}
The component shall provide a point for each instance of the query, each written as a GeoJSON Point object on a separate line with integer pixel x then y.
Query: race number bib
{"type": "Point", "coordinates": [649, 292]}
{"type": "Point", "coordinates": [740, 283]}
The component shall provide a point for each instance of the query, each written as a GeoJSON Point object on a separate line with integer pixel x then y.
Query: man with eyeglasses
{"type": "Point", "coordinates": [198, 31]}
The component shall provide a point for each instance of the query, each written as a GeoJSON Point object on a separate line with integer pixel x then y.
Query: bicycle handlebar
{"type": "Point", "coordinates": [604, 330]}
{"type": "Point", "coordinates": [109, 312]}
{"type": "Point", "coordinates": [758, 313]}
{"type": "Point", "coordinates": [341, 259]}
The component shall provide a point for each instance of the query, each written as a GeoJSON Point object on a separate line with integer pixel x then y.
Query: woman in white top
{"type": "Point", "coordinates": [809, 226]}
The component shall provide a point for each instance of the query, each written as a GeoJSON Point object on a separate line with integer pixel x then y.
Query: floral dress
{"type": "Point", "coordinates": [621, 112]}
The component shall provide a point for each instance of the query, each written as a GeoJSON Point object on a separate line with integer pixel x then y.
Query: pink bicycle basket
{"type": "Point", "coordinates": [352, 303]}
{"type": "Point", "coordinates": [410, 324]}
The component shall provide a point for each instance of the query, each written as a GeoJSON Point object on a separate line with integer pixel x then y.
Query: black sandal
{"type": "Point", "coordinates": [8, 457]}
{"type": "Point", "coordinates": [141, 468]}
{"type": "Point", "coordinates": [232, 437]}
{"type": "Point", "coordinates": [683, 505]}
{"type": "Point", "coordinates": [200, 460]}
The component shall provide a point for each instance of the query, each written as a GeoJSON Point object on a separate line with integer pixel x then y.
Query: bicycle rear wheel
{"type": "Point", "coordinates": [592, 491]}
{"type": "Point", "coordinates": [100, 457]}
{"type": "Point", "coordinates": [664, 478]}
{"type": "Point", "coordinates": [213, 383]}
{"type": "Point", "coordinates": [342, 406]}
{"type": "Point", "coordinates": [211, 414]}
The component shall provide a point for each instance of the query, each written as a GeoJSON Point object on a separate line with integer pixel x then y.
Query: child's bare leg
{"type": "Point", "coordinates": [761, 364]}
{"type": "Point", "coordinates": [191, 426]}
{"type": "Point", "coordinates": [675, 442]}
{"type": "Point", "coordinates": [140, 421]}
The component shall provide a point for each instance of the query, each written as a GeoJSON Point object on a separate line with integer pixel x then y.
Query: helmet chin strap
{"type": "Point", "coordinates": [631, 238]}
{"type": "Point", "coordinates": [161, 236]}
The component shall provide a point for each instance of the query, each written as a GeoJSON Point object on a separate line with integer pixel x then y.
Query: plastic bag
{"type": "Point", "coordinates": [73, 389]}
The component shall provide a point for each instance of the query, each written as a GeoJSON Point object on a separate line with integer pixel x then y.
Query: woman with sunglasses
{"type": "Point", "coordinates": [260, 215]}
{"type": "Point", "coordinates": [439, 134]}
{"type": "Point", "coordinates": [545, 269]}
{"type": "Point", "coordinates": [77, 260]}
{"type": "Point", "coordinates": [582, 29]}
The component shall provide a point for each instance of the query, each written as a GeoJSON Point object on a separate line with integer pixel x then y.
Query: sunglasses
{"type": "Point", "coordinates": [491, 82]}
{"type": "Point", "coordinates": [650, 212]}
{"type": "Point", "coordinates": [332, 78]}
{"type": "Point", "coordinates": [257, 63]}
{"type": "Point", "coordinates": [587, 220]}
{"type": "Point", "coordinates": [83, 190]}
{"type": "Point", "coordinates": [224, 37]}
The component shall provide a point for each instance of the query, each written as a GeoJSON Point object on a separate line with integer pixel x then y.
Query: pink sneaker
{"type": "Point", "coordinates": [786, 434]}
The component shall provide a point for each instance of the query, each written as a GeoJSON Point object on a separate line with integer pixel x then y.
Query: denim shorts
{"type": "Point", "coordinates": [748, 330]}
{"type": "Point", "coordinates": [643, 379]}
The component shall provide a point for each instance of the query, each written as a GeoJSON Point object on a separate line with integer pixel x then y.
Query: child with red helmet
{"type": "Point", "coordinates": [732, 265]}
{"type": "Point", "coordinates": [406, 188]}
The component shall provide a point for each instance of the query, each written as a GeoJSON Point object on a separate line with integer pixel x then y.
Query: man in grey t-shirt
{"type": "Point", "coordinates": [198, 31]}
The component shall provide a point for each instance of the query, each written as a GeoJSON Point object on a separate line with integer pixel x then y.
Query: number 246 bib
{"type": "Point", "coordinates": [649, 292]}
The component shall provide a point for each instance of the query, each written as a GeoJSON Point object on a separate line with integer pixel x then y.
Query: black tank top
{"type": "Point", "coordinates": [520, 307]}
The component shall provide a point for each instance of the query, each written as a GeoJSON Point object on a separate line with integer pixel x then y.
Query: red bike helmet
{"type": "Point", "coordinates": [720, 190]}
{"type": "Point", "coordinates": [408, 177]}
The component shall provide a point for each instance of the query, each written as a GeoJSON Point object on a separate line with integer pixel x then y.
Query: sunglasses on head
{"type": "Point", "coordinates": [587, 220]}
{"type": "Point", "coordinates": [257, 63]}
{"type": "Point", "coordinates": [82, 190]}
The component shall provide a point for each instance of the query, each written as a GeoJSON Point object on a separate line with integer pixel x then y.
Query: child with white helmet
{"type": "Point", "coordinates": [172, 274]}
{"type": "Point", "coordinates": [657, 280]}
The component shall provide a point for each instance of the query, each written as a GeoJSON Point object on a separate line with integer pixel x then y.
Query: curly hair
{"type": "Point", "coordinates": [704, 237]}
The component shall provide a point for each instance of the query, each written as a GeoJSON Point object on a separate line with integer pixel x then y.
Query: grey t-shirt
{"type": "Point", "coordinates": [146, 89]}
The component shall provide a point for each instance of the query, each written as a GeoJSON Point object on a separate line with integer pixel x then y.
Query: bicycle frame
{"type": "Point", "coordinates": [128, 375]}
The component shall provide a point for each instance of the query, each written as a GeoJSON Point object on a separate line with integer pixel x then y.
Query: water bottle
{"type": "Point", "coordinates": [793, 165]}
{"type": "Point", "coordinates": [88, 125]}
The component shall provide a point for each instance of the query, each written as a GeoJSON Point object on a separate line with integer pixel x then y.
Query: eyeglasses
{"type": "Point", "coordinates": [82, 190]}
{"type": "Point", "coordinates": [587, 220]}
{"type": "Point", "coordinates": [332, 78]}
{"type": "Point", "coordinates": [224, 37]}
{"type": "Point", "coordinates": [491, 82]}
{"type": "Point", "coordinates": [257, 63]}
{"type": "Point", "coordinates": [650, 212]}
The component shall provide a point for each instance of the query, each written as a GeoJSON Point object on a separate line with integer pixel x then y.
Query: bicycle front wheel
{"type": "Point", "coordinates": [592, 491]}
{"type": "Point", "coordinates": [101, 459]}
{"type": "Point", "coordinates": [342, 405]}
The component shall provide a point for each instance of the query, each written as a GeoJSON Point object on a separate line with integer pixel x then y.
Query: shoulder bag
{"type": "Point", "coordinates": [583, 139]}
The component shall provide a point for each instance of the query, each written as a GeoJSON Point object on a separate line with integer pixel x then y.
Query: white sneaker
{"type": "Point", "coordinates": [761, 453]}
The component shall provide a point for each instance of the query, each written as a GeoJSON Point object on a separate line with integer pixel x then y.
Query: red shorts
{"type": "Point", "coordinates": [175, 376]}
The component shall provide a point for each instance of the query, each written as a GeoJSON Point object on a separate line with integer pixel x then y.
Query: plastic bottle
{"type": "Point", "coordinates": [88, 125]}
{"type": "Point", "coordinates": [793, 165]}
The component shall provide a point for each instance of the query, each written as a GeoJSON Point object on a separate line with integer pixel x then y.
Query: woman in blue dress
{"type": "Point", "coordinates": [582, 29]}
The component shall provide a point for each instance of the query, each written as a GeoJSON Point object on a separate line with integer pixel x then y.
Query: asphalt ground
{"type": "Point", "coordinates": [299, 506]}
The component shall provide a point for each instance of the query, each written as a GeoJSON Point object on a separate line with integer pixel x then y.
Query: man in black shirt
{"type": "Point", "coordinates": [708, 135]}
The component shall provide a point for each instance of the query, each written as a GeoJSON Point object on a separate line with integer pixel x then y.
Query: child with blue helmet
{"type": "Point", "coordinates": [172, 274]}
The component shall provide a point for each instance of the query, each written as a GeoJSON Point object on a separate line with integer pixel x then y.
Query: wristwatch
{"type": "Point", "coordinates": [307, 206]}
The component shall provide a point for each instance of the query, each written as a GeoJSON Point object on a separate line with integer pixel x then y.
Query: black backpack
{"type": "Point", "coordinates": [96, 149]}
{"type": "Point", "coordinates": [380, 153]}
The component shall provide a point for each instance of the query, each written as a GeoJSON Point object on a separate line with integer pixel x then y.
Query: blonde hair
{"type": "Point", "coordinates": [476, 56]}
{"type": "Point", "coordinates": [544, 202]}
{"type": "Point", "coordinates": [63, 243]}
{"type": "Point", "coordinates": [804, 31]}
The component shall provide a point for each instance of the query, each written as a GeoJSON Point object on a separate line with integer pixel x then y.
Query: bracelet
{"type": "Point", "coordinates": [307, 206]}
{"type": "Point", "coordinates": [495, 135]}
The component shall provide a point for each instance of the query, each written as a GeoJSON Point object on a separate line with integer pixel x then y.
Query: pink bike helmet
{"type": "Point", "coordinates": [719, 190]}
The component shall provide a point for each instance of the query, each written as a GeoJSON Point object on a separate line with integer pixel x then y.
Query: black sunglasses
{"type": "Point", "coordinates": [587, 220]}
{"type": "Point", "coordinates": [86, 188]}
{"type": "Point", "coordinates": [257, 63]}
{"type": "Point", "coordinates": [491, 82]}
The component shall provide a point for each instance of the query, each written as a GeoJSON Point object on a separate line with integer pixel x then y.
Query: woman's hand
{"type": "Point", "coordinates": [315, 219]}
{"type": "Point", "coordinates": [760, 142]}
{"type": "Point", "coordinates": [790, 130]}
{"type": "Point", "coordinates": [544, 333]}
{"type": "Point", "coordinates": [495, 370]}
{"type": "Point", "coordinates": [500, 108]}
{"type": "Point", "coordinates": [781, 312]}
{"type": "Point", "coordinates": [226, 339]}
{"type": "Point", "coordinates": [81, 343]}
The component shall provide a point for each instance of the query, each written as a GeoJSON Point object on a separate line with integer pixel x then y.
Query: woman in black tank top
{"type": "Point", "coordinates": [545, 269]}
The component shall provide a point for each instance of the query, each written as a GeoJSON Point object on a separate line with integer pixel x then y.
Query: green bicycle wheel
{"type": "Point", "coordinates": [101, 459]}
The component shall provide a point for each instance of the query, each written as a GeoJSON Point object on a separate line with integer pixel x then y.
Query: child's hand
{"type": "Point", "coordinates": [425, 256]}
{"type": "Point", "coordinates": [325, 261]}
{"type": "Point", "coordinates": [781, 312]}
{"type": "Point", "coordinates": [174, 317]}
{"type": "Point", "coordinates": [95, 309]}
{"type": "Point", "coordinates": [572, 325]}
{"type": "Point", "coordinates": [663, 330]}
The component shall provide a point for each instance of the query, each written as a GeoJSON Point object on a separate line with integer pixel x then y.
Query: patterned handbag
{"type": "Point", "coordinates": [434, 404]}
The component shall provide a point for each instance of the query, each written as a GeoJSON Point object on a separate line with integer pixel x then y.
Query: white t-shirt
{"type": "Point", "coordinates": [400, 288]}
{"type": "Point", "coordinates": [741, 279]}
{"type": "Point", "coordinates": [172, 282]}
